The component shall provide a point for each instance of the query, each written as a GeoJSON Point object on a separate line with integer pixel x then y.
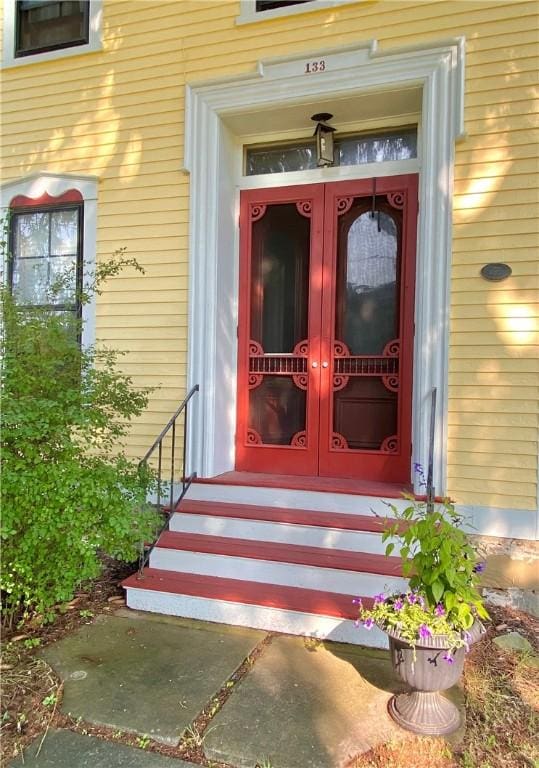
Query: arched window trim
{"type": "Point", "coordinates": [38, 188]}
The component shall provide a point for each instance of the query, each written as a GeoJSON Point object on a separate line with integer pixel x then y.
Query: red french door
{"type": "Point", "coordinates": [325, 332]}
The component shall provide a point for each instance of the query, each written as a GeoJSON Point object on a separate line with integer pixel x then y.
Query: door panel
{"type": "Point", "coordinates": [279, 330]}
{"type": "Point", "coordinates": [326, 329]}
{"type": "Point", "coordinates": [367, 316]}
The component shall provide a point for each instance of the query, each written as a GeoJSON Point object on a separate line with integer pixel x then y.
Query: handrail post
{"type": "Point", "coordinates": [186, 481]}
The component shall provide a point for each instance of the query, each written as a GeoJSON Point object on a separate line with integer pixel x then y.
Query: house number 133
{"type": "Point", "coordinates": [315, 66]}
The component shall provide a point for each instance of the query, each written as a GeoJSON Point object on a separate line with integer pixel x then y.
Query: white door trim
{"type": "Point", "coordinates": [212, 153]}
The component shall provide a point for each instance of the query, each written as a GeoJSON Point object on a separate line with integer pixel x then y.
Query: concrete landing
{"type": "Point", "coordinates": [65, 749]}
{"type": "Point", "coordinates": [150, 675]}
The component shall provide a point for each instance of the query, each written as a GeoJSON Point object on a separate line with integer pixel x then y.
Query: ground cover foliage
{"type": "Point", "coordinates": [68, 491]}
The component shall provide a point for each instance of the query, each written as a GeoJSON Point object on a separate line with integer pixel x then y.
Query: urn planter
{"type": "Point", "coordinates": [424, 710]}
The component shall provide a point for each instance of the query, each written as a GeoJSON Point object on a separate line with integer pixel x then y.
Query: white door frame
{"type": "Point", "coordinates": [212, 156]}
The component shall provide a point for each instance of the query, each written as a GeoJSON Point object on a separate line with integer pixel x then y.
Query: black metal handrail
{"type": "Point", "coordinates": [185, 481]}
{"type": "Point", "coordinates": [430, 485]}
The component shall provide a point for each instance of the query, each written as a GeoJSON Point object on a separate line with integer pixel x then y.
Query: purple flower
{"type": "Point", "coordinates": [398, 605]}
{"type": "Point", "coordinates": [421, 601]}
{"type": "Point", "coordinates": [447, 657]}
{"type": "Point", "coordinates": [479, 568]}
{"type": "Point", "coordinates": [379, 598]}
{"type": "Point", "coordinates": [439, 610]}
{"type": "Point", "coordinates": [424, 631]}
{"type": "Point", "coordinates": [368, 623]}
{"type": "Point", "coordinates": [356, 601]}
{"type": "Point", "coordinates": [412, 598]}
{"type": "Point", "coordinates": [356, 623]}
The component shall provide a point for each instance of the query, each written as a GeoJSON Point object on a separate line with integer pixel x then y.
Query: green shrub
{"type": "Point", "coordinates": [69, 493]}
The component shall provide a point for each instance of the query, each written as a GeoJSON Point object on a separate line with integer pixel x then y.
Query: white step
{"type": "Point", "coordinates": [320, 501]}
{"type": "Point", "coordinates": [275, 572]}
{"type": "Point", "coordinates": [255, 616]}
{"type": "Point", "coordinates": [283, 533]}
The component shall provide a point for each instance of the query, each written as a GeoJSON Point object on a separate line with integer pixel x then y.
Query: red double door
{"type": "Point", "coordinates": [326, 329]}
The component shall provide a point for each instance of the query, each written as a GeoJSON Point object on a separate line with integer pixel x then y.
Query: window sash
{"type": "Point", "coordinates": [64, 29]}
{"type": "Point", "coordinates": [45, 257]}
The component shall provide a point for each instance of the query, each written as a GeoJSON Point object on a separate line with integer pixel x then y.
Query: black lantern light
{"type": "Point", "coordinates": [325, 152]}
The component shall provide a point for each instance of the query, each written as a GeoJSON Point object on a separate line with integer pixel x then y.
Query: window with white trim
{"type": "Point", "coordinates": [259, 10]}
{"type": "Point", "coordinates": [45, 268]}
{"type": "Point", "coordinates": [40, 30]}
{"type": "Point", "coordinates": [46, 25]}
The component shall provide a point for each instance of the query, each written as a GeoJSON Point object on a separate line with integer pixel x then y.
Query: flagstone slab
{"type": "Point", "coordinates": [65, 749]}
{"type": "Point", "coordinates": [146, 675]}
{"type": "Point", "coordinates": [306, 705]}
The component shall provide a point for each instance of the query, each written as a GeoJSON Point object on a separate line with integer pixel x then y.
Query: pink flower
{"type": "Point", "coordinates": [439, 610]}
{"type": "Point", "coordinates": [398, 605]}
{"type": "Point", "coordinates": [379, 598]}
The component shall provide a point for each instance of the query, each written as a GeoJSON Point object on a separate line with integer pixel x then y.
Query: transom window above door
{"type": "Point", "coordinates": [358, 149]}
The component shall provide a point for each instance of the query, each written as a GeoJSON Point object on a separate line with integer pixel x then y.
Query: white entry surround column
{"type": "Point", "coordinates": [219, 114]}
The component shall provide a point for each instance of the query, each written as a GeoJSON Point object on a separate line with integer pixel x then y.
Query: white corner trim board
{"type": "Point", "coordinates": [35, 186]}
{"type": "Point", "coordinates": [213, 158]}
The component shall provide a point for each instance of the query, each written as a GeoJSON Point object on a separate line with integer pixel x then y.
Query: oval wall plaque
{"type": "Point", "coordinates": [496, 271]}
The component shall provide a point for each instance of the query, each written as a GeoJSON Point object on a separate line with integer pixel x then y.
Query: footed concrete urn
{"type": "Point", "coordinates": [424, 710]}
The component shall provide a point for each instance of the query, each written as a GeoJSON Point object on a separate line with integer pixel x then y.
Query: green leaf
{"type": "Point", "coordinates": [437, 590]}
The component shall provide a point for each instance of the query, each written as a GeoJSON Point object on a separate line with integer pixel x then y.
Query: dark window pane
{"type": "Point", "coordinates": [280, 269]}
{"type": "Point", "coordinates": [44, 25]}
{"type": "Point", "coordinates": [267, 5]}
{"type": "Point", "coordinates": [277, 410]}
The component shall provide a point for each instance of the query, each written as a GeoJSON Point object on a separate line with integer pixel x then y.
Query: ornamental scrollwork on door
{"type": "Point", "coordinates": [257, 211]}
{"type": "Point", "coordinates": [305, 208]}
{"type": "Point", "coordinates": [390, 445]}
{"type": "Point", "coordinates": [299, 440]}
{"type": "Point", "coordinates": [396, 200]}
{"type": "Point", "coordinates": [253, 438]}
{"type": "Point", "coordinates": [391, 379]}
{"type": "Point", "coordinates": [338, 442]}
{"type": "Point", "coordinates": [343, 205]}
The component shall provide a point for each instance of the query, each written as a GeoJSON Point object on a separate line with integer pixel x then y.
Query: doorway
{"type": "Point", "coordinates": [325, 334]}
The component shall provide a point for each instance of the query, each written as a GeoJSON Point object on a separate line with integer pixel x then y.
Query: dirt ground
{"type": "Point", "coordinates": [501, 695]}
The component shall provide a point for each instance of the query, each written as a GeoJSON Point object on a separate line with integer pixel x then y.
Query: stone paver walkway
{"type": "Point", "coordinates": [64, 749]}
{"type": "Point", "coordinates": [144, 675]}
{"type": "Point", "coordinates": [302, 704]}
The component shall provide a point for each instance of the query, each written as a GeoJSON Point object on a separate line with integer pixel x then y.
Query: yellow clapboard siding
{"type": "Point", "coordinates": [508, 310]}
{"type": "Point", "coordinates": [493, 392]}
{"type": "Point", "coordinates": [513, 365]}
{"type": "Point", "coordinates": [500, 458]}
{"type": "Point", "coordinates": [480, 324]}
{"type": "Point", "coordinates": [491, 444]}
{"type": "Point", "coordinates": [512, 379]}
{"type": "Point", "coordinates": [498, 474]}
{"type": "Point", "coordinates": [119, 114]}
{"type": "Point", "coordinates": [495, 352]}
{"type": "Point", "coordinates": [491, 339]}
{"type": "Point", "coordinates": [464, 218]}
{"type": "Point", "coordinates": [487, 487]}
{"type": "Point", "coordinates": [484, 498]}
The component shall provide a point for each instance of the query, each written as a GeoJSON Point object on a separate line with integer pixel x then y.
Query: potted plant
{"type": "Point", "coordinates": [432, 625]}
